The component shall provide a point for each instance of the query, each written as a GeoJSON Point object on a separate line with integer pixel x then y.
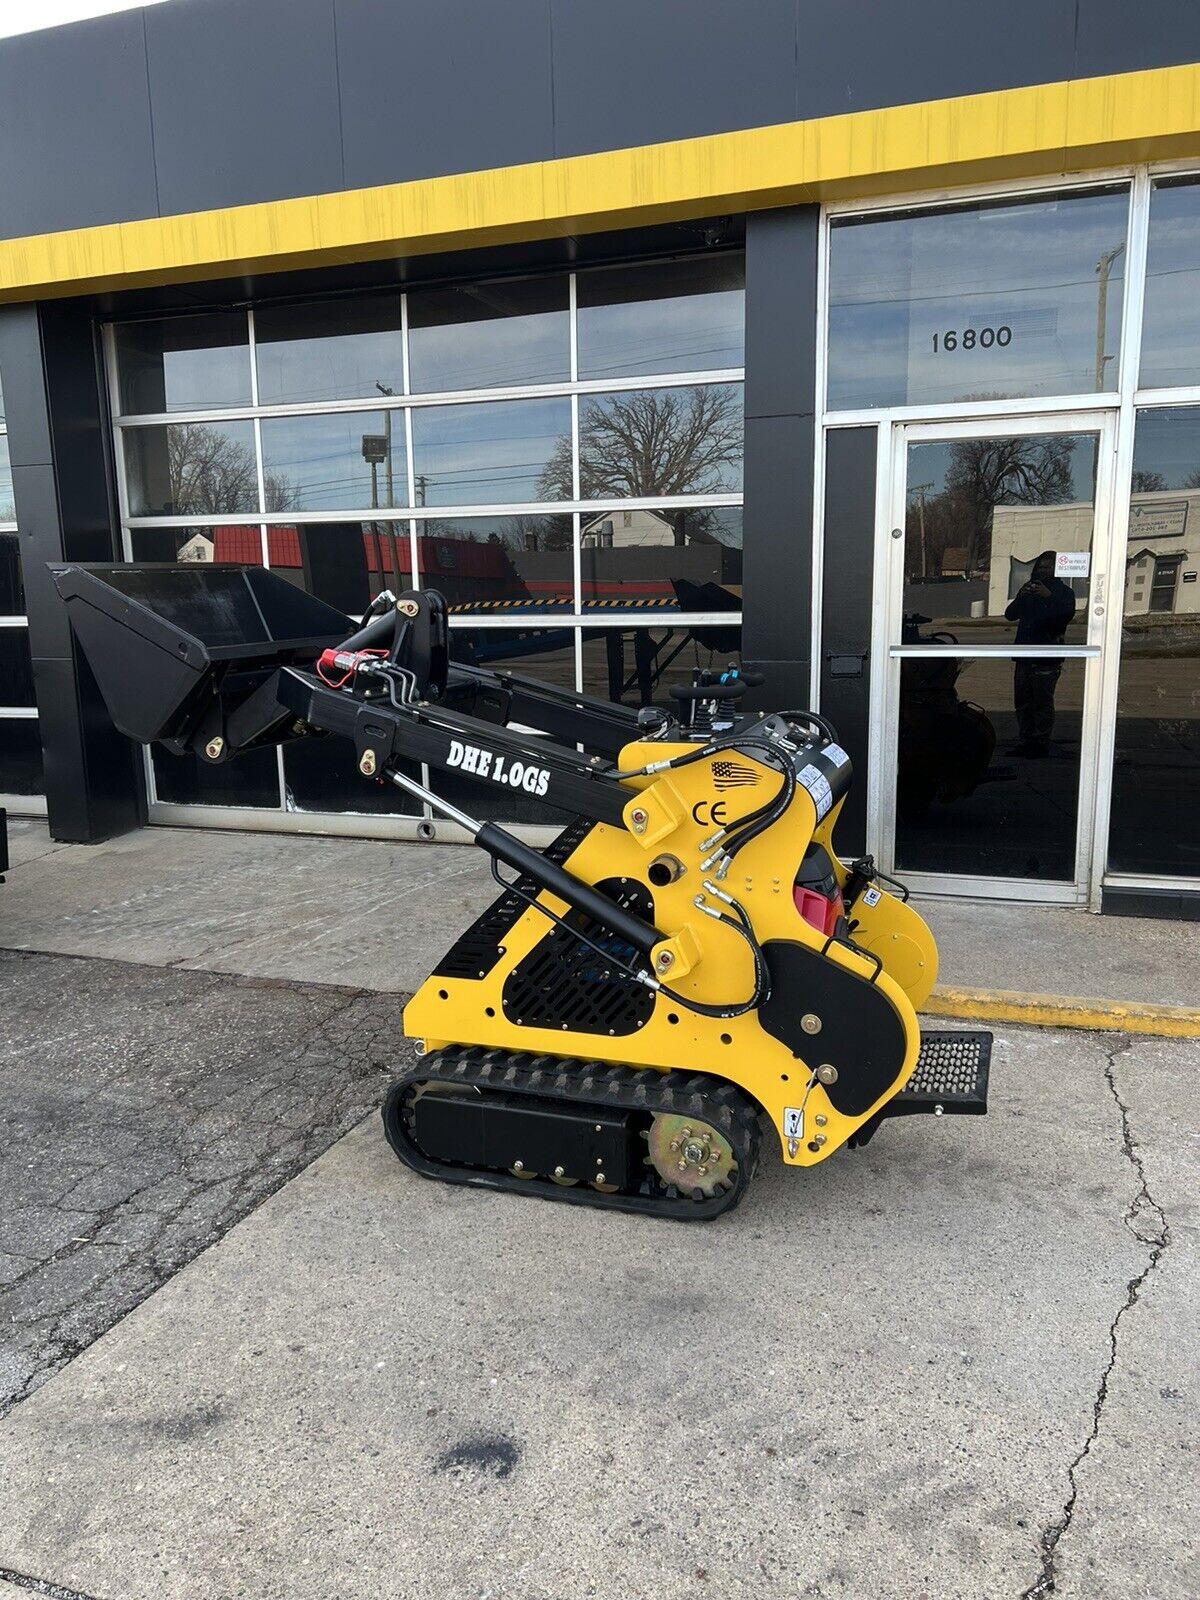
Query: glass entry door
{"type": "Point", "coordinates": [990, 601]}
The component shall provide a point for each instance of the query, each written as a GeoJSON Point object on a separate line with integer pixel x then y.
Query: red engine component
{"type": "Point", "coordinates": [820, 911]}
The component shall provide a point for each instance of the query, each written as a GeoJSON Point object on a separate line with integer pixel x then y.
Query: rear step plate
{"type": "Point", "coordinates": [949, 1079]}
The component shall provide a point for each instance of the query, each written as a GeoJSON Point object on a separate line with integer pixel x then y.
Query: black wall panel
{"type": "Point", "coordinates": [75, 144]}
{"type": "Point", "coordinates": [630, 72]}
{"type": "Point", "coordinates": [849, 547]}
{"type": "Point", "coordinates": [1115, 37]}
{"type": "Point", "coordinates": [425, 87]}
{"type": "Point", "coordinates": [859, 55]}
{"type": "Point", "coordinates": [244, 99]}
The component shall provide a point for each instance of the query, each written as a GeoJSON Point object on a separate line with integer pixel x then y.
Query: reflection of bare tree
{"type": "Point", "coordinates": [211, 474]}
{"type": "Point", "coordinates": [650, 442]}
{"type": "Point", "coordinates": [983, 474]}
{"type": "Point", "coordinates": [1146, 482]}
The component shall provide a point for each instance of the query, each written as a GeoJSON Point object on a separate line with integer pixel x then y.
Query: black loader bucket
{"type": "Point", "coordinates": [166, 643]}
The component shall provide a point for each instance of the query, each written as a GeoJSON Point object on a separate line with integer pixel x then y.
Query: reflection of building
{"type": "Point", "coordinates": [621, 529]}
{"type": "Point", "coordinates": [1162, 571]}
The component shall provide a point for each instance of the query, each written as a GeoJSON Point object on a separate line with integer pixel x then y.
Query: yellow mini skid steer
{"type": "Point", "coordinates": [687, 959]}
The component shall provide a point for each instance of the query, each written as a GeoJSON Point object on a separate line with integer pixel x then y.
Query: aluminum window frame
{"type": "Point", "coordinates": [1122, 402]}
{"type": "Point", "coordinates": [578, 619]}
{"type": "Point", "coordinates": [18, 804]}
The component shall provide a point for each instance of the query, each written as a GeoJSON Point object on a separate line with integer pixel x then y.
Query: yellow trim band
{"type": "Point", "coordinates": [1008, 133]}
{"type": "Point", "coordinates": [1063, 1011]}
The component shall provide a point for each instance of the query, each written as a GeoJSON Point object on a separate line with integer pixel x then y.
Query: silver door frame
{"type": "Point", "coordinates": [887, 655]}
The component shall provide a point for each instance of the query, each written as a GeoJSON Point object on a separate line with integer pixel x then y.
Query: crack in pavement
{"type": "Point", "coordinates": [1147, 1222]}
{"type": "Point", "coordinates": [55, 1591]}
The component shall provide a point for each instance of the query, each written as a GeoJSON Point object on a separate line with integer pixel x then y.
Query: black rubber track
{"type": "Point", "coordinates": [590, 1083]}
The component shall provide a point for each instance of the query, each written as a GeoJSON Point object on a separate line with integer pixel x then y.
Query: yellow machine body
{"type": "Point", "coordinates": [670, 819]}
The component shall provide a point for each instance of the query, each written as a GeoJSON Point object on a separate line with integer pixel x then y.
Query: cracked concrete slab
{"type": "Point", "coordinates": [1136, 1513]}
{"type": "Point", "coordinates": [146, 1111]}
{"type": "Point", "coordinates": [871, 1378]}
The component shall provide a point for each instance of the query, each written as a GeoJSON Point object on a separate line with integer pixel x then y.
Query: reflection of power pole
{"type": "Point", "coordinates": [920, 490]}
{"type": "Point", "coordinates": [387, 434]}
{"type": "Point", "coordinates": [1103, 268]}
{"type": "Point", "coordinates": [420, 488]}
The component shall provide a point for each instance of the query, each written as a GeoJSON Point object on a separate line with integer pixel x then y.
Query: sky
{"type": "Point", "coordinates": [23, 16]}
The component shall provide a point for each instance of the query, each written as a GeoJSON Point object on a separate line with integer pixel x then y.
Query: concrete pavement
{"type": "Point", "coordinates": [958, 1365]}
{"type": "Point", "coordinates": [219, 901]}
{"type": "Point", "coordinates": [955, 1366]}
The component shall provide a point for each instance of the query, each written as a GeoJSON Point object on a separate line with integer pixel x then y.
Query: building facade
{"type": "Point", "coordinates": [886, 382]}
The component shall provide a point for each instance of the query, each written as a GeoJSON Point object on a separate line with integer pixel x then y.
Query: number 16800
{"type": "Point", "coordinates": [969, 338]}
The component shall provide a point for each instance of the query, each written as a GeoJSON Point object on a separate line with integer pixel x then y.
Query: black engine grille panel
{"type": "Point", "coordinates": [564, 984]}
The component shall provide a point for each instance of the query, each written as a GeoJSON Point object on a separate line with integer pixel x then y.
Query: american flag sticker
{"type": "Point", "coordinates": [733, 775]}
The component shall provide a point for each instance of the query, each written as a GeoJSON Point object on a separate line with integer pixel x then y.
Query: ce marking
{"type": "Point", "coordinates": [716, 813]}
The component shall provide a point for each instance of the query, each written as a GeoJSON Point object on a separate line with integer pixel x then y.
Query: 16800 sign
{"type": "Point", "coordinates": [970, 338]}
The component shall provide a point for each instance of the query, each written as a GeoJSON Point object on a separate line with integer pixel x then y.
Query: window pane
{"type": "Point", "coordinates": [501, 452]}
{"type": "Point", "coordinates": [689, 560]}
{"type": "Point", "coordinates": [670, 316]}
{"type": "Point", "coordinates": [979, 302]}
{"type": "Point", "coordinates": [637, 666]}
{"type": "Point", "coordinates": [489, 335]}
{"type": "Point", "coordinates": [342, 350]}
{"type": "Point", "coordinates": [513, 564]}
{"type": "Point", "coordinates": [352, 459]}
{"type": "Point", "coordinates": [16, 668]}
{"type": "Point", "coordinates": [988, 780]}
{"type": "Point", "coordinates": [12, 590]}
{"type": "Point", "coordinates": [8, 508]}
{"type": "Point", "coordinates": [191, 469]}
{"type": "Point", "coordinates": [249, 780]}
{"type": "Point", "coordinates": [345, 564]}
{"type": "Point", "coordinates": [1171, 319]}
{"type": "Point", "coordinates": [1156, 764]}
{"type": "Point", "coordinates": [546, 654]}
{"type": "Point", "coordinates": [323, 775]}
{"type": "Point", "coordinates": [183, 363]}
{"type": "Point", "coordinates": [236, 543]}
{"type": "Point", "coordinates": [20, 756]}
{"type": "Point", "coordinates": [994, 531]}
{"type": "Point", "coordinates": [657, 441]}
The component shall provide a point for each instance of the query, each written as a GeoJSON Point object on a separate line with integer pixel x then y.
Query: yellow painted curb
{"type": "Point", "coordinates": [1064, 1011]}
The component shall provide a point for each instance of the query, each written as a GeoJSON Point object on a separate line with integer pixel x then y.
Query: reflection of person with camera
{"type": "Point", "coordinates": [1042, 609]}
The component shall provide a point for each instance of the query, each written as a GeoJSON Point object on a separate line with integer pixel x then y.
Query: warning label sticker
{"type": "Point", "coordinates": [818, 786]}
{"type": "Point", "coordinates": [793, 1122]}
{"type": "Point", "coordinates": [872, 897]}
{"type": "Point", "coordinates": [835, 753]}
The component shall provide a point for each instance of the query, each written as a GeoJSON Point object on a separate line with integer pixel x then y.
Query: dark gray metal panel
{"type": "Point", "coordinates": [1113, 37]}
{"type": "Point", "coordinates": [75, 145]}
{"type": "Point", "coordinates": [448, 87]}
{"type": "Point", "coordinates": [64, 510]}
{"type": "Point", "coordinates": [781, 311]}
{"type": "Point", "coordinates": [859, 55]}
{"type": "Point", "coordinates": [849, 546]}
{"type": "Point", "coordinates": [244, 101]}
{"type": "Point", "coordinates": [631, 72]}
{"type": "Point", "coordinates": [777, 577]}
{"type": "Point", "coordinates": [21, 375]}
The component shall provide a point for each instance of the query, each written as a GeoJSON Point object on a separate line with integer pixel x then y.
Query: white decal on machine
{"type": "Point", "coordinates": [487, 764]}
{"type": "Point", "coordinates": [835, 753]}
{"type": "Point", "coordinates": [818, 787]}
{"type": "Point", "coordinates": [793, 1122]}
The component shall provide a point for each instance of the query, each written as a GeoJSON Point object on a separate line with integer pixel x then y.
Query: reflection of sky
{"type": "Point", "coordinates": [486, 454]}
{"type": "Point", "coordinates": [192, 379]}
{"type": "Point", "coordinates": [687, 333]}
{"type": "Point", "coordinates": [342, 367]}
{"type": "Point", "coordinates": [1171, 322]}
{"type": "Point", "coordinates": [662, 453]}
{"type": "Point", "coordinates": [7, 505]}
{"type": "Point", "coordinates": [896, 282]}
{"type": "Point", "coordinates": [1168, 442]}
{"type": "Point", "coordinates": [929, 464]}
{"type": "Point", "coordinates": [490, 353]}
{"type": "Point", "coordinates": [321, 458]}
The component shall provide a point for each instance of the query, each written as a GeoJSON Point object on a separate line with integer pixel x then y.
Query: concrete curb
{"type": "Point", "coordinates": [1064, 1011]}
